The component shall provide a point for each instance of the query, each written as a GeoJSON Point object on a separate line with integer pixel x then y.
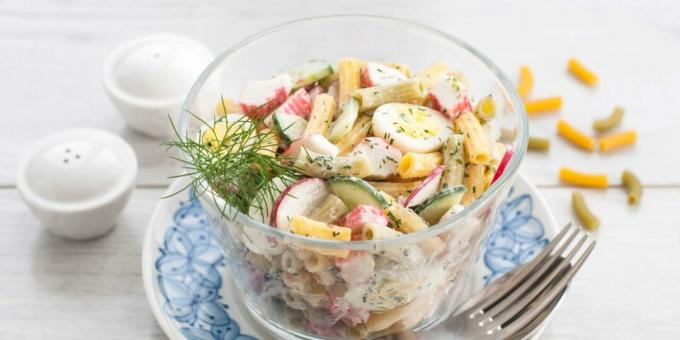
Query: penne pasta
{"type": "Point", "coordinates": [330, 210]}
{"type": "Point", "coordinates": [583, 179]}
{"type": "Point", "coordinates": [270, 142]}
{"type": "Point", "coordinates": [543, 105]}
{"type": "Point", "coordinates": [526, 82]}
{"type": "Point", "coordinates": [618, 140]}
{"type": "Point", "coordinates": [485, 110]}
{"type": "Point", "coordinates": [403, 68]}
{"type": "Point", "coordinates": [578, 203]}
{"type": "Point", "coordinates": [454, 161]}
{"type": "Point", "coordinates": [581, 72]}
{"type": "Point", "coordinates": [402, 218]}
{"type": "Point", "coordinates": [476, 182]}
{"type": "Point", "coordinates": [396, 189]}
{"type": "Point", "coordinates": [301, 225]}
{"type": "Point", "coordinates": [372, 231]}
{"type": "Point", "coordinates": [317, 263]}
{"type": "Point", "coordinates": [575, 136]}
{"type": "Point", "coordinates": [477, 147]}
{"type": "Point", "coordinates": [413, 165]}
{"type": "Point", "coordinates": [632, 183]}
{"type": "Point", "coordinates": [355, 136]}
{"type": "Point", "coordinates": [606, 124]}
{"type": "Point", "coordinates": [407, 91]}
{"type": "Point", "coordinates": [349, 77]}
{"type": "Point", "coordinates": [315, 165]}
{"type": "Point", "coordinates": [321, 117]}
{"type": "Point", "coordinates": [538, 144]}
{"type": "Point", "coordinates": [432, 73]}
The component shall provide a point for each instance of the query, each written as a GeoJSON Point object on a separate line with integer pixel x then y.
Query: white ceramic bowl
{"type": "Point", "coordinates": [77, 181]}
{"type": "Point", "coordinates": [148, 78]}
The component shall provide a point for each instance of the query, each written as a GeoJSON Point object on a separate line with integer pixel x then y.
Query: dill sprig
{"type": "Point", "coordinates": [239, 165]}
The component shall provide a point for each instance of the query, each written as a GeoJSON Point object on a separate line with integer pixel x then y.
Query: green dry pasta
{"type": "Point", "coordinates": [606, 124]}
{"type": "Point", "coordinates": [538, 144]}
{"type": "Point", "coordinates": [589, 221]}
{"type": "Point", "coordinates": [632, 183]}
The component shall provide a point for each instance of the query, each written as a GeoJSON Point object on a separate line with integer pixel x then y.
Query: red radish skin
{"type": "Point", "coordinates": [311, 190]}
{"type": "Point", "coordinates": [503, 164]}
{"type": "Point", "coordinates": [300, 104]}
{"type": "Point", "coordinates": [361, 215]}
{"type": "Point", "coordinates": [417, 196]}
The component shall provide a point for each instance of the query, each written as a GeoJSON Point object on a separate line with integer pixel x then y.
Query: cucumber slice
{"type": "Point", "coordinates": [290, 127]}
{"type": "Point", "coordinates": [309, 72]}
{"type": "Point", "coordinates": [355, 191]}
{"type": "Point", "coordinates": [434, 207]}
{"type": "Point", "coordinates": [345, 121]}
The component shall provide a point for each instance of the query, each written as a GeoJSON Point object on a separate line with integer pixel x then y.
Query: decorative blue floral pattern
{"type": "Point", "coordinates": [189, 279]}
{"type": "Point", "coordinates": [516, 237]}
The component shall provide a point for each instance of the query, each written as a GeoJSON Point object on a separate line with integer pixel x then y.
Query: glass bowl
{"type": "Point", "coordinates": [313, 288]}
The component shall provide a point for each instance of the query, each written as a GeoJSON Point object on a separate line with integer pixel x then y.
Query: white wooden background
{"type": "Point", "coordinates": [51, 56]}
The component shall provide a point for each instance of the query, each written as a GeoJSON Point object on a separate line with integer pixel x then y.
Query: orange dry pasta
{"type": "Point", "coordinates": [526, 82]}
{"type": "Point", "coordinates": [618, 140]}
{"type": "Point", "coordinates": [583, 179]}
{"type": "Point", "coordinates": [575, 136]}
{"type": "Point", "coordinates": [583, 74]}
{"type": "Point", "coordinates": [543, 105]}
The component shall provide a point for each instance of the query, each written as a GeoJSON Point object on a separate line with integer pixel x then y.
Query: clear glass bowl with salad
{"type": "Point", "coordinates": [351, 167]}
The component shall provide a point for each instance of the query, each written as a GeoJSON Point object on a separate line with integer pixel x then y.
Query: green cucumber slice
{"type": "Point", "coordinates": [309, 72]}
{"type": "Point", "coordinates": [345, 121]}
{"type": "Point", "coordinates": [434, 207]}
{"type": "Point", "coordinates": [290, 127]}
{"type": "Point", "coordinates": [355, 191]}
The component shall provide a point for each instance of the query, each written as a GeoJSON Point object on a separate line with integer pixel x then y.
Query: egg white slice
{"type": "Point", "coordinates": [411, 127]}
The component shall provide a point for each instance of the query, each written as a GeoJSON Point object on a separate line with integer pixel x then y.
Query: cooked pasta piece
{"type": "Point", "coordinates": [526, 82]}
{"type": "Point", "coordinates": [632, 183]}
{"type": "Point", "coordinates": [227, 105]}
{"type": "Point", "coordinates": [575, 136]}
{"type": "Point", "coordinates": [270, 143]}
{"type": "Point", "coordinates": [413, 164]}
{"type": "Point", "coordinates": [454, 161]}
{"type": "Point", "coordinates": [578, 203]}
{"type": "Point", "coordinates": [396, 189]}
{"type": "Point", "coordinates": [325, 277]}
{"type": "Point", "coordinates": [538, 144]}
{"type": "Point", "coordinates": [406, 91]}
{"type": "Point", "coordinates": [380, 321]}
{"type": "Point", "coordinates": [301, 225]}
{"type": "Point", "coordinates": [403, 68]}
{"type": "Point", "coordinates": [297, 281]}
{"type": "Point", "coordinates": [606, 124]}
{"type": "Point", "coordinates": [582, 73]}
{"type": "Point", "coordinates": [349, 77]}
{"type": "Point", "coordinates": [372, 231]}
{"type": "Point", "coordinates": [543, 105]}
{"type": "Point", "coordinates": [402, 218]}
{"type": "Point", "coordinates": [476, 182]}
{"type": "Point", "coordinates": [583, 179]}
{"type": "Point", "coordinates": [290, 262]}
{"type": "Point", "coordinates": [330, 210]}
{"type": "Point", "coordinates": [618, 140]}
{"type": "Point", "coordinates": [316, 165]}
{"type": "Point", "coordinates": [485, 110]}
{"type": "Point", "coordinates": [355, 136]}
{"type": "Point", "coordinates": [477, 147]}
{"type": "Point", "coordinates": [432, 73]}
{"type": "Point", "coordinates": [321, 117]}
{"type": "Point", "coordinates": [317, 263]}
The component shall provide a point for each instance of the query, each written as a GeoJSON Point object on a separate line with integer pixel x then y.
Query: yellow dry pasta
{"type": "Point", "coordinates": [403, 68]}
{"type": "Point", "coordinates": [359, 131]}
{"type": "Point", "coordinates": [543, 105]}
{"type": "Point", "coordinates": [304, 226]}
{"type": "Point", "coordinates": [578, 203]}
{"type": "Point", "coordinates": [413, 165]}
{"type": "Point", "coordinates": [396, 189]}
{"type": "Point", "coordinates": [454, 161]}
{"type": "Point", "coordinates": [582, 73]}
{"type": "Point", "coordinates": [476, 143]}
{"type": "Point", "coordinates": [405, 91]}
{"type": "Point", "coordinates": [583, 179]}
{"type": "Point", "coordinates": [575, 136]}
{"type": "Point", "coordinates": [606, 124]}
{"type": "Point", "coordinates": [321, 117]}
{"type": "Point", "coordinates": [349, 78]}
{"type": "Point", "coordinates": [526, 82]}
{"type": "Point", "coordinates": [475, 181]}
{"type": "Point", "coordinates": [432, 73]}
{"type": "Point", "coordinates": [632, 183]}
{"type": "Point", "coordinates": [618, 140]}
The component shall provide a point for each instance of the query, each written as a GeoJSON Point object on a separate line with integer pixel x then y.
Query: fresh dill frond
{"type": "Point", "coordinates": [235, 161]}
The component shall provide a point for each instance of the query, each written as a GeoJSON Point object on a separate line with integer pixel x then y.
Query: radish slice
{"type": "Point", "coordinates": [315, 91]}
{"type": "Point", "coordinates": [299, 199]}
{"type": "Point", "coordinates": [384, 157]}
{"type": "Point", "coordinates": [426, 189]}
{"type": "Point", "coordinates": [501, 166]}
{"type": "Point", "coordinates": [299, 104]}
{"type": "Point", "coordinates": [316, 143]}
{"type": "Point", "coordinates": [260, 97]}
{"type": "Point", "coordinates": [450, 96]}
{"type": "Point", "coordinates": [361, 215]}
{"type": "Point", "coordinates": [376, 75]}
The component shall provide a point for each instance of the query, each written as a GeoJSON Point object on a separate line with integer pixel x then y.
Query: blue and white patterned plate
{"type": "Point", "coordinates": [192, 296]}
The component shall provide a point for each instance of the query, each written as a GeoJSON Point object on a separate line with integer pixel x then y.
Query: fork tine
{"type": "Point", "coordinates": [547, 296]}
{"type": "Point", "coordinates": [522, 295]}
{"type": "Point", "coordinates": [517, 276]}
{"type": "Point", "coordinates": [511, 309]}
{"type": "Point", "coordinates": [523, 332]}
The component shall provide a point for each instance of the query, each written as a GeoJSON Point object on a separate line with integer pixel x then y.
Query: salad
{"type": "Point", "coordinates": [351, 151]}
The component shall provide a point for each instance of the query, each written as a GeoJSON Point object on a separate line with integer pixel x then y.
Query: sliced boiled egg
{"type": "Point", "coordinates": [411, 127]}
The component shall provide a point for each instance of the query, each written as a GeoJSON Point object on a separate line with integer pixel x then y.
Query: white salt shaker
{"type": "Point", "coordinates": [77, 181]}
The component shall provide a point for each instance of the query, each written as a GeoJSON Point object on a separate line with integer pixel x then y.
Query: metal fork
{"type": "Point", "coordinates": [516, 304]}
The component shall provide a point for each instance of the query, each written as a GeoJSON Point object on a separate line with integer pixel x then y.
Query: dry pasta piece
{"type": "Point", "coordinates": [396, 189]}
{"type": "Point", "coordinates": [618, 140]}
{"type": "Point", "coordinates": [543, 105]}
{"type": "Point", "coordinates": [526, 82]}
{"type": "Point", "coordinates": [414, 165]}
{"type": "Point", "coordinates": [606, 124]}
{"type": "Point", "coordinates": [575, 136]}
{"type": "Point", "coordinates": [349, 77]}
{"type": "Point", "coordinates": [475, 181]}
{"type": "Point", "coordinates": [403, 68]}
{"type": "Point", "coordinates": [538, 144]}
{"type": "Point", "coordinates": [582, 73]}
{"type": "Point", "coordinates": [355, 136]}
{"type": "Point", "coordinates": [322, 115]}
{"type": "Point", "coordinates": [432, 73]}
{"type": "Point", "coordinates": [583, 179]}
{"type": "Point", "coordinates": [476, 143]}
{"type": "Point", "coordinates": [578, 203]}
{"type": "Point", "coordinates": [632, 183]}
{"type": "Point", "coordinates": [406, 91]}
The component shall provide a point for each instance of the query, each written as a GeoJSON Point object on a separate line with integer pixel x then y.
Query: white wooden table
{"type": "Point", "coordinates": [52, 52]}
